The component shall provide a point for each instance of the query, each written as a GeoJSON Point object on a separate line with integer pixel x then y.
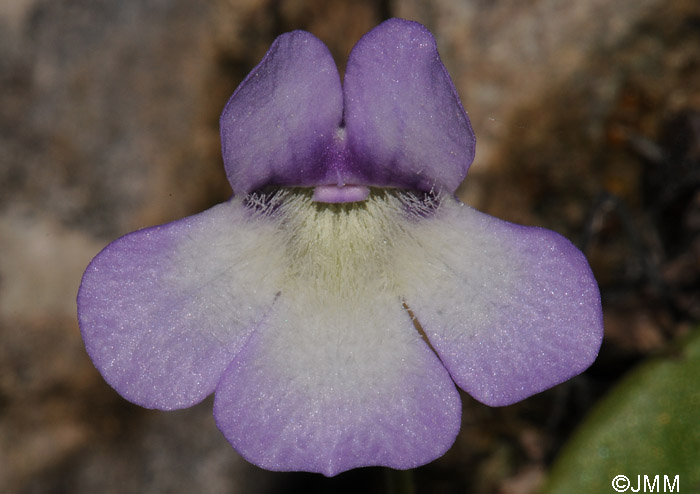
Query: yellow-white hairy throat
{"type": "Point", "coordinates": [346, 250]}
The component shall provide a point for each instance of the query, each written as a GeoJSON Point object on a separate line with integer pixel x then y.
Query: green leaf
{"type": "Point", "coordinates": [649, 424]}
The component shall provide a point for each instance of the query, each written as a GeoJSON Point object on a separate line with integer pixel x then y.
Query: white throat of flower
{"type": "Point", "coordinates": [344, 251]}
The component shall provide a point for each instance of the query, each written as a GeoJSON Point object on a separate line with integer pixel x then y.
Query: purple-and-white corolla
{"type": "Point", "coordinates": [295, 301]}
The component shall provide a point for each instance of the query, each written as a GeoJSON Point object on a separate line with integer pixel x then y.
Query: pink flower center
{"type": "Point", "coordinates": [344, 193]}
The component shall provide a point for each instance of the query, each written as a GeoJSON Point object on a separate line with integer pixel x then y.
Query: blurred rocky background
{"type": "Point", "coordinates": [587, 116]}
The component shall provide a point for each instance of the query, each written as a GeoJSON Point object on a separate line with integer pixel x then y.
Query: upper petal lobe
{"type": "Point", "coordinates": [397, 122]}
{"type": "Point", "coordinates": [281, 122]}
{"type": "Point", "coordinates": [405, 124]}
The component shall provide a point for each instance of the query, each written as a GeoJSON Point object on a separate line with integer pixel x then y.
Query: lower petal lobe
{"type": "Point", "coordinates": [164, 310]}
{"type": "Point", "coordinates": [338, 386]}
{"type": "Point", "coordinates": [510, 310]}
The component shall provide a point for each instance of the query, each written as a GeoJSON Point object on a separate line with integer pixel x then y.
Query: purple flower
{"type": "Point", "coordinates": [294, 301]}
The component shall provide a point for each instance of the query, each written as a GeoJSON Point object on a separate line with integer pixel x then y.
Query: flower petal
{"type": "Point", "coordinates": [405, 124]}
{"type": "Point", "coordinates": [327, 389]}
{"type": "Point", "coordinates": [282, 120]}
{"type": "Point", "coordinates": [510, 310]}
{"type": "Point", "coordinates": [164, 310]}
